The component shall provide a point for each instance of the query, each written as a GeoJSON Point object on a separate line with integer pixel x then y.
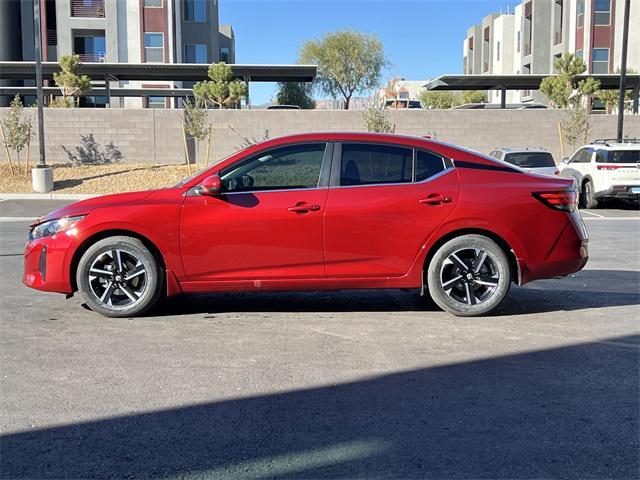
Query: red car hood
{"type": "Point", "coordinates": [85, 206]}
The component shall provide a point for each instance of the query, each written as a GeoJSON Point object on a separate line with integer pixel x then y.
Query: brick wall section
{"type": "Point", "coordinates": [154, 136]}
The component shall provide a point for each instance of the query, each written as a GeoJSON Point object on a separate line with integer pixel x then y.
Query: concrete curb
{"type": "Point", "coordinates": [46, 196]}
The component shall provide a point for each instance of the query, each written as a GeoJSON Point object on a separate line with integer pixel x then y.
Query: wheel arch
{"type": "Point", "coordinates": [514, 266]}
{"type": "Point", "coordinates": [87, 242]}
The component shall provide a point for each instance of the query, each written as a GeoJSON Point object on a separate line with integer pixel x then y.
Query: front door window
{"type": "Point", "coordinates": [286, 168]}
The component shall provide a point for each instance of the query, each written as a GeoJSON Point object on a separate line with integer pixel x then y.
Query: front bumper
{"type": "Point", "coordinates": [45, 263]}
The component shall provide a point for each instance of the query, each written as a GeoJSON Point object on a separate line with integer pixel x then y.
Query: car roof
{"type": "Point", "coordinates": [614, 144]}
{"type": "Point", "coordinates": [522, 149]}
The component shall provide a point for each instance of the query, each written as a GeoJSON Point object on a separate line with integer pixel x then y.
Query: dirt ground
{"type": "Point", "coordinates": [112, 178]}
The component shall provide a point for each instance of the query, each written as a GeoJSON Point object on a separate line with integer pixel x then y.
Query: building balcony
{"type": "Point", "coordinates": [52, 37]}
{"type": "Point", "coordinates": [91, 57]}
{"type": "Point", "coordinates": [557, 38]}
{"type": "Point", "coordinates": [87, 8]}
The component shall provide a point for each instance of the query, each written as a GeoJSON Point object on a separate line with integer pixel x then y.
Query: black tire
{"type": "Point", "coordinates": [587, 199]}
{"type": "Point", "coordinates": [483, 283]}
{"type": "Point", "coordinates": [119, 277]}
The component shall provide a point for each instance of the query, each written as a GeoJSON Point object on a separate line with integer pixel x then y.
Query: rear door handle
{"type": "Point", "coordinates": [304, 207]}
{"type": "Point", "coordinates": [436, 199]}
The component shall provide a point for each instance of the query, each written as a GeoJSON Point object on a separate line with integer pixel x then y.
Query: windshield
{"type": "Point", "coordinates": [531, 159]}
{"type": "Point", "coordinates": [624, 156]}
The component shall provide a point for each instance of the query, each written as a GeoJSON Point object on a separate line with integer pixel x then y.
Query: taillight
{"type": "Point", "coordinates": [610, 167]}
{"type": "Point", "coordinates": [565, 200]}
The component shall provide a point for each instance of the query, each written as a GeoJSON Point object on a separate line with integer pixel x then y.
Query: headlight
{"type": "Point", "coordinates": [52, 227]}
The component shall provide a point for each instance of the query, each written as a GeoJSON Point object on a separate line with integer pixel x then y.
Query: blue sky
{"type": "Point", "coordinates": [422, 38]}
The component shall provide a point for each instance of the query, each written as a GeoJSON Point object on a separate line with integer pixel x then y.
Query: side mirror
{"type": "Point", "coordinates": [565, 160]}
{"type": "Point", "coordinates": [210, 186]}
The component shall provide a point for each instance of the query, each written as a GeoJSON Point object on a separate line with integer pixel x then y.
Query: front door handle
{"type": "Point", "coordinates": [436, 199]}
{"type": "Point", "coordinates": [304, 207]}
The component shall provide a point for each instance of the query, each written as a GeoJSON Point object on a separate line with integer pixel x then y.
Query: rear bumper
{"type": "Point", "coordinates": [620, 191]}
{"type": "Point", "coordinates": [568, 254]}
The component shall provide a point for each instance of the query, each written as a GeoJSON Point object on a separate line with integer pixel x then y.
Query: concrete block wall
{"type": "Point", "coordinates": [154, 136]}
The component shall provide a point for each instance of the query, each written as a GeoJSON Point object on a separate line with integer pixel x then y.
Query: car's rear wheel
{"type": "Point", "coordinates": [587, 199]}
{"type": "Point", "coordinates": [119, 277]}
{"type": "Point", "coordinates": [469, 275]}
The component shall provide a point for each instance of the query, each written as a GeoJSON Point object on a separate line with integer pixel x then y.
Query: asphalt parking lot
{"type": "Point", "coordinates": [327, 385]}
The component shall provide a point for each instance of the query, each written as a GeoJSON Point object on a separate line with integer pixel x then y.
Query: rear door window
{"type": "Point", "coordinates": [530, 159]}
{"type": "Point", "coordinates": [371, 164]}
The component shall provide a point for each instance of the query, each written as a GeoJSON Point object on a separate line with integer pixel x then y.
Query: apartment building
{"type": "Point", "coordinates": [120, 31]}
{"type": "Point", "coordinates": [530, 38]}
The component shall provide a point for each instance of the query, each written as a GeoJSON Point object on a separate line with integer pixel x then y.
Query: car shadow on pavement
{"type": "Point", "coordinates": [586, 289]}
{"type": "Point", "coordinates": [569, 412]}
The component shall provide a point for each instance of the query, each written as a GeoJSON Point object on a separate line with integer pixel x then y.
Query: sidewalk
{"type": "Point", "coordinates": [46, 196]}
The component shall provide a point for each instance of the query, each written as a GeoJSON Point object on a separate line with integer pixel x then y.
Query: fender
{"type": "Point", "coordinates": [171, 259]}
{"type": "Point", "coordinates": [466, 225]}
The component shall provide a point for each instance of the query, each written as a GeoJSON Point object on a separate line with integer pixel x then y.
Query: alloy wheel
{"type": "Point", "coordinates": [117, 278]}
{"type": "Point", "coordinates": [470, 276]}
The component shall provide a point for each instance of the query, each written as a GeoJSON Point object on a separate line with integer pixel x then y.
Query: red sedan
{"type": "Point", "coordinates": [321, 211]}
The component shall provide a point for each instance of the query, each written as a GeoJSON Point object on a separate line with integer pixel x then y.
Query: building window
{"type": "Point", "coordinates": [498, 51]}
{"type": "Point", "coordinates": [600, 60]}
{"type": "Point", "coordinates": [196, 53]}
{"type": "Point", "coordinates": [153, 47]}
{"type": "Point", "coordinates": [580, 11]}
{"type": "Point", "coordinates": [224, 55]}
{"type": "Point", "coordinates": [579, 54]}
{"type": "Point", "coordinates": [90, 48]}
{"type": "Point", "coordinates": [195, 10]}
{"type": "Point", "coordinates": [602, 13]}
{"type": "Point", "coordinates": [155, 102]}
{"type": "Point", "coordinates": [153, 3]}
{"type": "Point", "coordinates": [518, 42]}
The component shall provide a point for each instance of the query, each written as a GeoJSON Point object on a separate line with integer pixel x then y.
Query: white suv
{"type": "Point", "coordinates": [605, 169]}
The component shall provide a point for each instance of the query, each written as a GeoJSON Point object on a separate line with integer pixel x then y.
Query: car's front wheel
{"type": "Point", "coordinates": [119, 277]}
{"type": "Point", "coordinates": [469, 275]}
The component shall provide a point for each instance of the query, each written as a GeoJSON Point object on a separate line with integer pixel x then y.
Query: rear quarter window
{"type": "Point", "coordinates": [624, 156]}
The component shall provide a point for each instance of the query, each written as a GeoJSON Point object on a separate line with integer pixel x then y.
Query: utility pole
{"type": "Point", "coordinates": [42, 176]}
{"type": "Point", "coordinates": [623, 70]}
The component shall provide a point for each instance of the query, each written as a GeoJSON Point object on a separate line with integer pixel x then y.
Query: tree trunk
{"type": "Point", "coordinates": [208, 146]}
{"type": "Point", "coordinates": [347, 101]}
{"type": "Point", "coordinates": [4, 141]}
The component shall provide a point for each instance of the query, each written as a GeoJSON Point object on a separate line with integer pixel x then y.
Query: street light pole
{"type": "Point", "coordinates": [42, 176]}
{"type": "Point", "coordinates": [623, 70]}
{"type": "Point", "coordinates": [37, 27]}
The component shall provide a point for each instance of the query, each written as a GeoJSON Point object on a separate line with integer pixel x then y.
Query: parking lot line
{"type": "Point", "coordinates": [591, 213]}
{"type": "Point", "coordinates": [612, 218]}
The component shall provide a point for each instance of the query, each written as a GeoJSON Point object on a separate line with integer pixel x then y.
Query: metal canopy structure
{"type": "Point", "coordinates": [610, 81]}
{"type": "Point", "coordinates": [518, 82]}
{"type": "Point", "coordinates": [168, 72]}
{"type": "Point", "coordinates": [149, 72]}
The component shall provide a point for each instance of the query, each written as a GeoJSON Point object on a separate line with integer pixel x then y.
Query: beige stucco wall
{"type": "Point", "coordinates": [149, 135]}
